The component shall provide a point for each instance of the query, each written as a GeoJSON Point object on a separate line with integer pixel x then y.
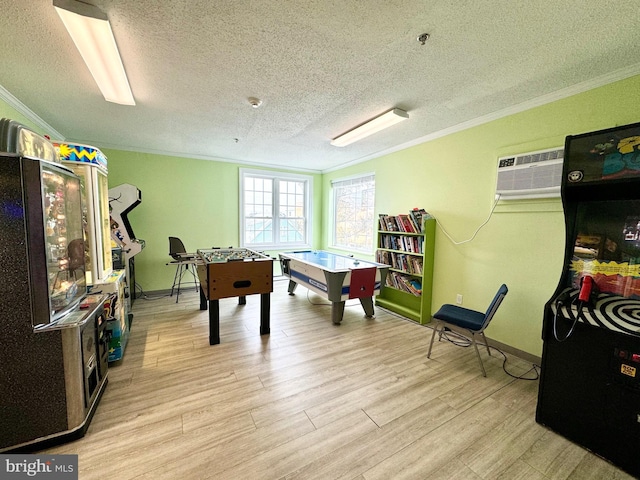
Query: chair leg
{"type": "Point", "coordinates": [192, 270]}
{"type": "Point", "coordinates": [181, 268]}
{"type": "Point", "coordinates": [433, 336]}
{"type": "Point", "coordinates": [175, 280]}
{"type": "Point", "coordinates": [475, 345]}
{"type": "Point", "coordinates": [486, 344]}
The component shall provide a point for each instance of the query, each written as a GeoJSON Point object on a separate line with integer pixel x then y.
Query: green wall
{"type": "Point", "coordinates": [452, 177]}
{"type": "Point", "coordinates": [7, 111]}
{"type": "Point", "coordinates": [522, 245]}
{"type": "Point", "coordinates": [195, 200]}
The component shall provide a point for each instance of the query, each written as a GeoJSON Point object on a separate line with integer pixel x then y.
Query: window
{"type": "Point", "coordinates": [353, 217]}
{"type": "Point", "coordinates": [275, 209]}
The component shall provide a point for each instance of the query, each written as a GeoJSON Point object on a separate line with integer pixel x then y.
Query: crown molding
{"type": "Point", "coordinates": [16, 104]}
{"type": "Point", "coordinates": [167, 153]}
{"type": "Point", "coordinates": [596, 82]}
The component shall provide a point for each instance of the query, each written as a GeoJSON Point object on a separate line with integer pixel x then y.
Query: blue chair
{"type": "Point", "coordinates": [468, 320]}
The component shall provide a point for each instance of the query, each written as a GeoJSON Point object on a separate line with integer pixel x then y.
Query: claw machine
{"type": "Point", "coordinates": [590, 378]}
{"type": "Point", "coordinates": [90, 165]}
{"type": "Point", "coordinates": [53, 360]}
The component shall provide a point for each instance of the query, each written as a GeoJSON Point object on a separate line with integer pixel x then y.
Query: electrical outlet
{"type": "Point", "coordinates": [459, 299]}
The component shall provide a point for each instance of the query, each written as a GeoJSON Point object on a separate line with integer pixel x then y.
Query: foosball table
{"type": "Point", "coordinates": [234, 272]}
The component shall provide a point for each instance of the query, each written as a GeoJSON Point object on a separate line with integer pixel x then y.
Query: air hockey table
{"type": "Point", "coordinates": [337, 278]}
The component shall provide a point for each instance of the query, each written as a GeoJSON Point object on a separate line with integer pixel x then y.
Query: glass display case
{"type": "Point", "coordinates": [64, 246]}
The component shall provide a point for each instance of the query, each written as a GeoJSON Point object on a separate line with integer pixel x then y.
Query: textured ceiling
{"type": "Point", "coordinates": [320, 68]}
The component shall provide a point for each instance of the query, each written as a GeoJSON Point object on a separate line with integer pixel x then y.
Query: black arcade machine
{"type": "Point", "coordinates": [590, 380]}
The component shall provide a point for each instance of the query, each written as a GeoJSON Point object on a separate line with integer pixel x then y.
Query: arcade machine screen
{"type": "Point", "coordinates": [607, 247]}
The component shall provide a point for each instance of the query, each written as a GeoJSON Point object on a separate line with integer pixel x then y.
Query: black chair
{"type": "Point", "coordinates": [184, 262]}
{"type": "Point", "coordinates": [469, 320]}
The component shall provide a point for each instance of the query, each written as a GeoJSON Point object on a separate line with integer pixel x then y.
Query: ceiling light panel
{"type": "Point", "coordinates": [372, 126]}
{"type": "Point", "coordinates": [91, 32]}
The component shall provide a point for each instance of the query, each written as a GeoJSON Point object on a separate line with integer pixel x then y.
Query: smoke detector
{"type": "Point", "coordinates": [254, 102]}
{"type": "Point", "coordinates": [423, 38]}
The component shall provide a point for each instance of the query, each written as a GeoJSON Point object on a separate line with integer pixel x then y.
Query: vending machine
{"type": "Point", "coordinates": [54, 354]}
{"type": "Point", "coordinates": [590, 379]}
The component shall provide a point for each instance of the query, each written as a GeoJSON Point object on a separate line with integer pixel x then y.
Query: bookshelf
{"type": "Point", "coordinates": [410, 257]}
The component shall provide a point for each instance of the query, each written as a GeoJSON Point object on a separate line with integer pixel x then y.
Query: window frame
{"type": "Point", "coordinates": [370, 249]}
{"type": "Point", "coordinates": [275, 177]}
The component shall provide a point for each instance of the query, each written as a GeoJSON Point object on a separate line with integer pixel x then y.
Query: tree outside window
{"type": "Point", "coordinates": [275, 209]}
{"type": "Point", "coordinates": [353, 213]}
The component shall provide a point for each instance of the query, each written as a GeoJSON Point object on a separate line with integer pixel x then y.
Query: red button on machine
{"type": "Point", "coordinates": [635, 357]}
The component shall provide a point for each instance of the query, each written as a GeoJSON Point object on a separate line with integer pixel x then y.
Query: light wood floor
{"type": "Point", "coordinates": [314, 400]}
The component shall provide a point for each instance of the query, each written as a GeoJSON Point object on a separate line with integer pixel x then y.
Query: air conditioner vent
{"type": "Point", "coordinates": [530, 175]}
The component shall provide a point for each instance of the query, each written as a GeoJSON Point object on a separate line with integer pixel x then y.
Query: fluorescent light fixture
{"type": "Point", "coordinates": [91, 32]}
{"type": "Point", "coordinates": [372, 126]}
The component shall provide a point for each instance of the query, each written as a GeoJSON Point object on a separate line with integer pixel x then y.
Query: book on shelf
{"type": "Point", "coordinates": [388, 223]}
{"type": "Point", "coordinates": [418, 216]}
{"type": "Point", "coordinates": [416, 219]}
{"type": "Point", "coordinates": [417, 285]}
{"type": "Point", "coordinates": [382, 221]}
{"type": "Point", "coordinates": [404, 243]}
{"type": "Point", "coordinates": [414, 244]}
{"type": "Point", "coordinates": [410, 264]}
{"type": "Point", "coordinates": [383, 257]}
{"type": "Point", "coordinates": [407, 223]}
{"type": "Point", "coordinates": [407, 244]}
{"type": "Point", "coordinates": [404, 283]}
{"type": "Point", "coordinates": [416, 265]}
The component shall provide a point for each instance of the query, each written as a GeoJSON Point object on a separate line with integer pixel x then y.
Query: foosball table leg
{"type": "Point", "coordinates": [265, 315]}
{"type": "Point", "coordinates": [203, 299]}
{"type": "Point", "coordinates": [214, 322]}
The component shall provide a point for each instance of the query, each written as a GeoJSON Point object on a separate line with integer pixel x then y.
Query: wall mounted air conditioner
{"type": "Point", "coordinates": [530, 175]}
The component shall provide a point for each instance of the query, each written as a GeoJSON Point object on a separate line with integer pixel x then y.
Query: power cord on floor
{"type": "Point", "coordinates": [144, 296]}
{"type": "Point", "coordinates": [326, 304]}
{"type": "Point", "coordinates": [464, 341]}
